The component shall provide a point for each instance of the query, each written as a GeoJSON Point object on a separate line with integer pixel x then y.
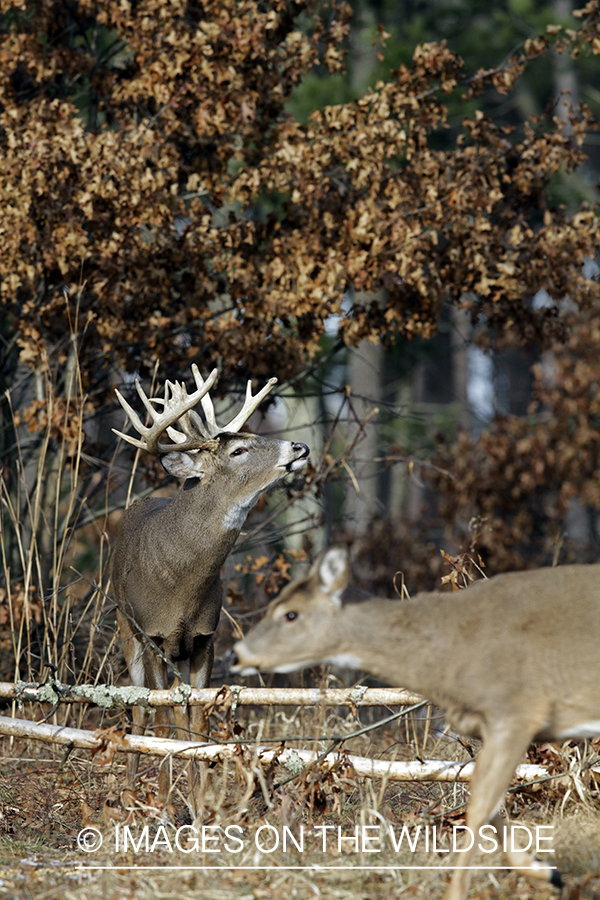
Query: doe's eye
{"type": "Point", "coordinates": [238, 451]}
{"type": "Point", "coordinates": [291, 615]}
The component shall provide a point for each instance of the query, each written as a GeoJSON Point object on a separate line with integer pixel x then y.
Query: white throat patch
{"type": "Point", "coordinates": [235, 517]}
{"type": "Point", "coordinates": [345, 661]}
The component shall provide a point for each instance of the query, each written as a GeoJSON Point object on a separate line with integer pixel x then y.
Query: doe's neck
{"type": "Point", "coordinates": [395, 640]}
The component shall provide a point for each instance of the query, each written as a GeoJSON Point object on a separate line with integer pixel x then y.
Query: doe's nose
{"type": "Point", "coordinates": [229, 660]}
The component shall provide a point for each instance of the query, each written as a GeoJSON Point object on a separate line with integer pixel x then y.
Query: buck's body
{"type": "Point", "coordinates": [169, 552]}
{"type": "Point", "coordinates": [170, 575]}
{"type": "Point", "coordinates": [512, 659]}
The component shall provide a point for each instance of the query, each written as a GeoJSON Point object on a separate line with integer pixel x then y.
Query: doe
{"type": "Point", "coordinates": [512, 659]}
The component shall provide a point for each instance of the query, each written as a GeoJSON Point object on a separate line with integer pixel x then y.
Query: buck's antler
{"type": "Point", "coordinates": [177, 407]}
{"type": "Point", "coordinates": [251, 403]}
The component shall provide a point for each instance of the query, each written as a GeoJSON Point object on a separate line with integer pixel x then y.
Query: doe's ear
{"type": "Point", "coordinates": [184, 465]}
{"type": "Point", "coordinates": [334, 572]}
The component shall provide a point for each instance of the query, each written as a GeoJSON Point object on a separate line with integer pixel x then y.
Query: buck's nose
{"type": "Point", "coordinates": [302, 449]}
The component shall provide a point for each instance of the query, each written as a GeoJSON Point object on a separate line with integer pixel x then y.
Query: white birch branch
{"type": "Point", "coordinates": [292, 760]}
{"type": "Point", "coordinates": [107, 696]}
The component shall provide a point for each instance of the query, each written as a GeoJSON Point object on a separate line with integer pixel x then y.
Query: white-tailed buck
{"type": "Point", "coordinates": [169, 552]}
{"type": "Point", "coordinates": [512, 660]}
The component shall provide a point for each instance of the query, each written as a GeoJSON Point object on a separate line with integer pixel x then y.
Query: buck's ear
{"type": "Point", "coordinates": [184, 465]}
{"type": "Point", "coordinates": [334, 571]}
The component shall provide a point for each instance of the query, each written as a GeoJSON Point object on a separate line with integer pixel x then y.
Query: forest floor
{"type": "Point", "coordinates": [330, 835]}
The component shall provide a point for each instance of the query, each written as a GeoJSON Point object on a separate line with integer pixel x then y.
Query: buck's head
{"type": "Point", "coordinates": [303, 626]}
{"type": "Point", "coordinates": [240, 468]}
{"type": "Point", "coordinates": [240, 464]}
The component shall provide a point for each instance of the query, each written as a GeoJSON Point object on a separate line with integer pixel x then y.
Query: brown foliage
{"type": "Point", "coordinates": [153, 175]}
{"type": "Point", "coordinates": [157, 176]}
{"type": "Point", "coordinates": [521, 474]}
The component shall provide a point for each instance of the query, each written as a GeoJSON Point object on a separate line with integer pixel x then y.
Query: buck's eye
{"type": "Point", "coordinates": [238, 451]}
{"type": "Point", "coordinates": [291, 615]}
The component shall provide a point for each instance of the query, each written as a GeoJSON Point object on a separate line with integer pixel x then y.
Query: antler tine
{"type": "Point", "coordinates": [176, 405]}
{"type": "Point", "coordinates": [191, 422]}
{"type": "Point", "coordinates": [196, 422]}
{"type": "Point", "coordinates": [194, 435]}
{"type": "Point", "coordinates": [211, 427]}
{"type": "Point", "coordinates": [135, 421]}
{"type": "Point", "coordinates": [250, 404]}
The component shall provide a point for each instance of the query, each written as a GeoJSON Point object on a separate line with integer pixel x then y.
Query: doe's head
{"type": "Point", "coordinates": [300, 627]}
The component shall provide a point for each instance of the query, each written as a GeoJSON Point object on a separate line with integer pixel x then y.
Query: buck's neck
{"type": "Point", "coordinates": [215, 504]}
{"type": "Point", "coordinates": [199, 527]}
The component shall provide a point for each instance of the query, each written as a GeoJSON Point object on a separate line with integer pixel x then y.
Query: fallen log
{"type": "Point", "coordinates": [109, 696]}
{"type": "Point", "coordinates": [293, 760]}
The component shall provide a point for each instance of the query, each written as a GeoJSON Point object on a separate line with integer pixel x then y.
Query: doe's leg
{"type": "Point", "coordinates": [501, 753]}
{"type": "Point", "coordinates": [523, 861]}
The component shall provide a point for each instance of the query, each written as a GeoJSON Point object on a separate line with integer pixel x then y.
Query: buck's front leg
{"type": "Point", "coordinates": [134, 653]}
{"type": "Point", "coordinates": [201, 663]}
{"type": "Point", "coordinates": [156, 680]}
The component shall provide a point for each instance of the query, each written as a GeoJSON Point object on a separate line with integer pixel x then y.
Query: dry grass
{"type": "Point", "coordinates": [45, 802]}
{"type": "Point", "coordinates": [53, 564]}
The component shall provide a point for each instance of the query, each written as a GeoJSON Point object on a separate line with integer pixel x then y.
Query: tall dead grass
{"type": "Point", "coordinates": [54, 548]}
